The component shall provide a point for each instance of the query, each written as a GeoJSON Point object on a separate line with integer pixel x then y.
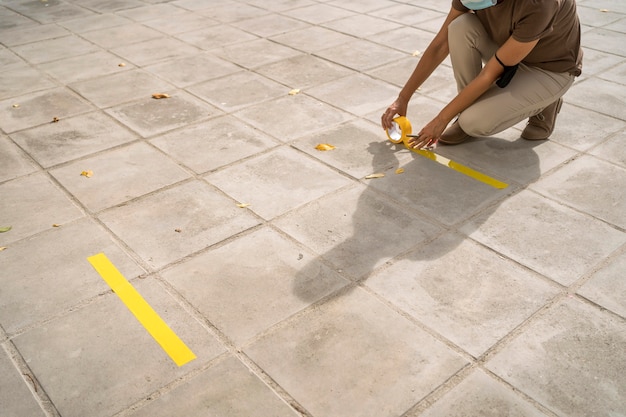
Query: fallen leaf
{"type": "Point", "coordinates": [2, 248]}
{"type": "Point", "coordinates": [416, 53]}
{"type": "Point", "coordinates": [243, 205]}
{"type": "Point", "coordinates": [604, 10]}
{"type": "Point", "coordinates": [378, 175]}
{"type": "Point", "coordinates": [294, 92]}
{"type": "Point", "coordinates": [5, 229]}
{"type": "Point", "coordinates": [121, 64]}
{"type": "Point", "coordinates": [15, 106]}
{"type": "Point", "coordinates": [400, 171]}
{"type": "Point", "coordinates": [324, 147]}
{"type": "Point", "coordinates": [177, 230]}
{"type": "Point", "coordinates": [160, 95]}
{"type": "Point", "coordinates": [55, 119]}
{"type": "Point", "coordinates": [56, 225]}
{"type": "Point", "coordinates": [87, 174]}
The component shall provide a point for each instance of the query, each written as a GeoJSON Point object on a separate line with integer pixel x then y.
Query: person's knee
{"type": "Point", "coordinates": [462, 24]}
{"type": "Point", "coordinates": [477, 125]}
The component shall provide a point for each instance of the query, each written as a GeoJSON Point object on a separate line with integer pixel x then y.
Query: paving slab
{"type": "Point", "coordinates": [239, 393]}
{"type": "Point", "coordinates": [358, 94]}
{"type": "Point", "coordinates": [184, 22]}
{"type": "Point", "coordinates": [348, 237]}
{"type": "Point", "coordinates": [361, 55]}
{"type": "Point", "coordinates": [154, 50]}
{"type": "Point", "coordinates": [604, 286]}
{"type": "Point", "coordinates": [214, 144]}
{"type": "Point", "coordinates": [44, 107]}
{"type": "Point", "coordinates": [550, 238]}
{"type": "Point", "coordinates": [611, 150]}
{"type": "Point", "coordinates": [318, 13]}
{"type": "Point", "coordinates": [85, 67]}
{"type": "Point", "coordinates": [473, 304]}
{"type": "Point", "coordinates": [59, 276]}
{"type": "Point", "coordinates": [255, 53]}
{"type": "Point", "coordinates": [33, 34]}
{"type": "Point", "coordinates": [303, 71]}
{"type": "Point", "coordinates": [278, 118]}
{"type": "Point", "coordinates": [355, 356]}
{"type": "Point", "coordinates": [13, 161]}
{"type": "Point", "coordinates": [110, 90]}
{"type": "Point", "coordinates": [281, 182]}
{"type": "Point", "coordinates": [258, 269]}
{"type": "Point", "coordinates": [86, 371]}
{"type": "Point", "coordinates": [139, 166]}
{"type": "Point", "coordinates": [51, 11]}
{"type": "Point", "coordinates": [95, 22]}
{"type": "Point", "coordinates": [16, 398]}
{"type": "Point", "coordinates": [573, 183]}
{"type": "Point", "coordinates": [270, 24]}
{"type": "Point", "coordinates": [192, 70]}
{"type": "Point", "coordinates": [357, 151]}
{"type": "Point", "coordinates": [149, 116]}
{"type": "Point", "coordinates": [605, 97]}
{"type": "Point", "coordinates": [72, 138]}
{"type": "Point", "coordinates": [120, 35]}
{"type": "Point", "coordinates": [23, 79]}
{"type": "Point", "coordinates": [570, 360]}
{"type": "Point", "coordinates": [32, 204]}
{"type": "Point", "coordinates": [238, 90]}
{"type": "Point", "coordinates": [54, 49]}
{"type": "Point", "coordinates": [481, 395]}
{"type": "Point", "coordinates": [181, 220]}
{"type": "Point", "coordinates": [313, 39]}
{"type": "Point", "coordinates": [215, 36]}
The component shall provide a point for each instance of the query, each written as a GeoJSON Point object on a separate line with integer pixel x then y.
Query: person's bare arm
{"type": "Point", "coordinates": [432, 57]}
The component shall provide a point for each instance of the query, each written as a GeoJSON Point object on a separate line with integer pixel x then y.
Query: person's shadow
{"type": "Point", "coordinates": [416, 214]}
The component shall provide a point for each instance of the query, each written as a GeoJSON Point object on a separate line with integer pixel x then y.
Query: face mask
{"type": "Point", "coordinates": [478, 4]}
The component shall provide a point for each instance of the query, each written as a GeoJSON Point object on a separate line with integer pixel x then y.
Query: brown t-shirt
{"type": "Point", "coordinates": [554, 22]}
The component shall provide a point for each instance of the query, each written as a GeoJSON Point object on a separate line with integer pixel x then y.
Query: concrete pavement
{"type": "Point", "coordinates": [302, 287]}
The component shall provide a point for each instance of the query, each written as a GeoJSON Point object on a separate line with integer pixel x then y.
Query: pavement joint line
{"type": "Point", "coordinates": [143, 312]}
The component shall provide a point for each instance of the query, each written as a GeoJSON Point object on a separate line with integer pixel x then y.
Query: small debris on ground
{"type": "Point", "coordinates": [324, 147]}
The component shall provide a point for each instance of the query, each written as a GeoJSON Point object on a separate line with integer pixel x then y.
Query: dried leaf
{"type": "Point", "coordinates": [56, 225]}
{"type": "Point", "coordinates": [243, 205]}
{"type": "Point", "coordinates": [324, 147]}
{"type": "Point", "coordinates": [294, 92]}
{"type": "Point", "coordinates": [87, 174]}
{"type": "Point", "coordinates": [55, 119]}
{"type": "Point", "coordinates": [121, 64]}
{"type": "Point", "coordinates": [400, 171]}
{"type": "Point", "coordinates": [604, 10]}
{"type": "Point", "coordinates": [160, 95]}
{"type": "Point", "coordinates": [377, 175]}
{"type": "Point", "coordinates": [15, 106]}
{"type": "Point", "coordinates": [5, 229]}
{"type": "Point", "coordinates": [177, 230]}
{"type": "Point", "coordinates": [416, 53]}
{"type": "Point", "coordinates": [2, 248]}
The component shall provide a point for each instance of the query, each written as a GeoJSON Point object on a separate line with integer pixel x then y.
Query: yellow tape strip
{"type": "Point", "coordinates": [160, 331]}
{"type": "Point", "coordinates": [479, 176]}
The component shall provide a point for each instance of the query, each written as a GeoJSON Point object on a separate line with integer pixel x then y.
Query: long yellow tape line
{"type": "Point", "coordinates": [479, 176]}
{"type": "Point", "coordinates": [160, 331]}
{"type": "Point", "coordinates": [400, 131]}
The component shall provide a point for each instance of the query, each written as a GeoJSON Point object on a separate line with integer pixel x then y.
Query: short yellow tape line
{"type": "Point", "coordinates": [479, 176]}
{"type": "Point", "coordinates": [160, 331]}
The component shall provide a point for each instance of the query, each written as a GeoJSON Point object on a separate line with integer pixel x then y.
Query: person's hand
{"type": "Point", "coordinates": [398, 108]}
{"type": "Point", "coordinates": [429, 135]}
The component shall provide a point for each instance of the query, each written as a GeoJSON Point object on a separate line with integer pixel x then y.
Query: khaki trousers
{"type": "Point", "coordinates": [529, 92]}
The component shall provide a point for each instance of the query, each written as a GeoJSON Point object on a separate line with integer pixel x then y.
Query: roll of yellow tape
{"type": "Point", "coordinates": [400, 127]}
